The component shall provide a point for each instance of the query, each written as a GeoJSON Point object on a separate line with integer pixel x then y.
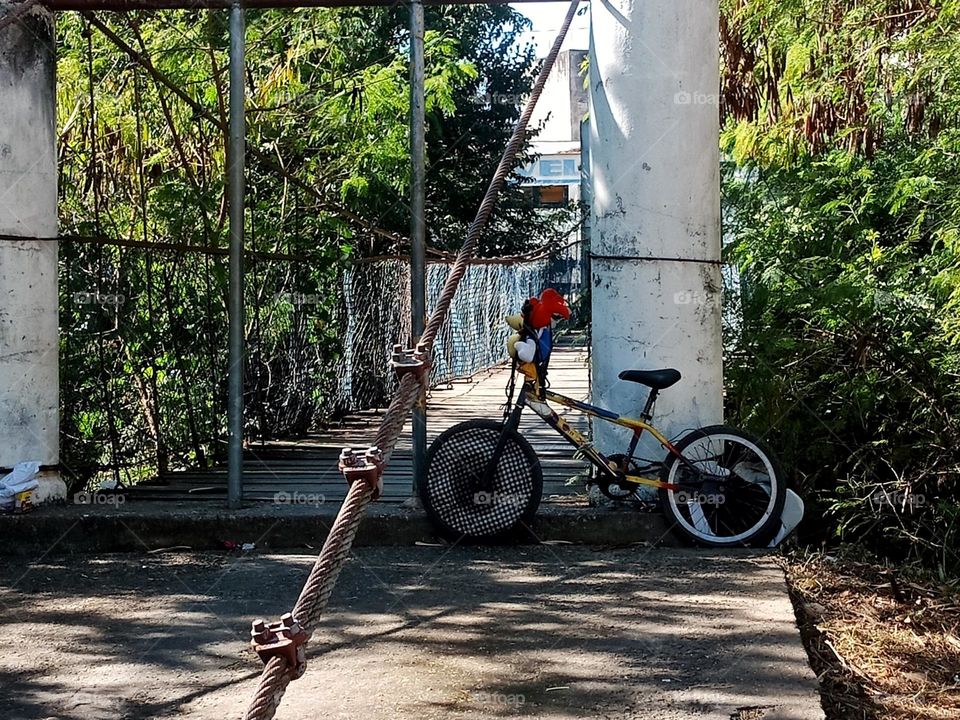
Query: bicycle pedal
{"type": "Point", "coordinates": [580, 452]}
{"type": "Point", "coordinates": [646, 506]}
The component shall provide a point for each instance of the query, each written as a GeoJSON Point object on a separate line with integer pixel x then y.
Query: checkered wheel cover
{"type": "Point", "coordinates": [459, 459]}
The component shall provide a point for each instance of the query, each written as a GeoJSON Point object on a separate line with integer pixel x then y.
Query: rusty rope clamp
{"type": "Point", "coordinates": [285, 639]}
{"type": "Point", "coordinates": [366, 467]}
{"type": "Point", "coordinates": [411, 360]}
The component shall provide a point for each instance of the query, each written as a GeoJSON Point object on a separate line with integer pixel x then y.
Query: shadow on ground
{"type": "Point", "coordinates": [542, 631]}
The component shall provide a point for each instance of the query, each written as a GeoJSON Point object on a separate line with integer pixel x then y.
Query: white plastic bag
{"type": "Point", "coordinates": [23, 478]}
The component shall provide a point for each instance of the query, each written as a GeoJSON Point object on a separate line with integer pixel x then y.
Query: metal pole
{"type": "Point", "coordinates": [235, 189]}
{"type": "Point", "coordinates": [418, 298]}
{"type": "Point", "coordinates": [586, 198]}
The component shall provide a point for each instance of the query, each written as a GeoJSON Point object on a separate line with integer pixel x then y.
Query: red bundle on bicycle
{"type": "Point", "coordinates": [532, 344]}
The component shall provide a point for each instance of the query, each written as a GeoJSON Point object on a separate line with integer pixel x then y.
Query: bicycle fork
{"type": "Point", "coordinates": [512, 422]}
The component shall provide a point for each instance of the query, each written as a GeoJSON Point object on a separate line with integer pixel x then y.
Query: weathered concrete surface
{"type": "Point", "coordinates": [545, 632]}
{"type": "Point", "coordinates": [29, 382]}
{"type": "Point", "coordinates": [655, 216]}
{"type": "Point", "coordinates": [106, 527]}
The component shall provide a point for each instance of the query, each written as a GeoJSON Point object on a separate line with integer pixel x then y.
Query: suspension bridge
{"type": "Point", "coordinates": [305, 470]}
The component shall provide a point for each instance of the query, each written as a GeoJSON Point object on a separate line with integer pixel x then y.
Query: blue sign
{"type": "Point", "coordinates": [553, 171]}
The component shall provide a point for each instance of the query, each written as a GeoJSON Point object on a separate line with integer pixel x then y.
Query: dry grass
{"type": "Point", "coordinates": [883, 642]}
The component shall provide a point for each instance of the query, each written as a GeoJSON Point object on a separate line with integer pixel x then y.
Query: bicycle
{"type": "Point", "coordinates": [721, 486]}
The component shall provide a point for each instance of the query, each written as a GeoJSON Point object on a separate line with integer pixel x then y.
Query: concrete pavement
{"type": "Point", "coordinates": [139, 526]}
{"type": "Point", "coordinates": [547, 631]}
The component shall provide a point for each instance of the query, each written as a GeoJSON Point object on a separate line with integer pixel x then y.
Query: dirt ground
{"type": "Point", "coordinates": [884, 640]}
{"type": "Point", "coordinates": [417, 632]}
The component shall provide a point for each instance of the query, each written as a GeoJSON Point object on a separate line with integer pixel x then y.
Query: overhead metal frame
{"type": "Point", "coordinates": [236, 189]}
{"type": "Point", "coordinates": [128, 5]}
{"type": "Point", "coordinates": [418, 244]}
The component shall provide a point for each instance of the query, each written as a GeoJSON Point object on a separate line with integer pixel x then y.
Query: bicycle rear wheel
{"type": "Point", "coordinates": [456, 464]}
{"type": "Point", "coordinates": [733, 489]}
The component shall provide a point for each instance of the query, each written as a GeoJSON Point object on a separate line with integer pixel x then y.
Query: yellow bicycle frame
{"type": "Point", "coordinates": [536, 399]}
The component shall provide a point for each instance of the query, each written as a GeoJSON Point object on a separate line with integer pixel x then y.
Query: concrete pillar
{"type": "Point", "coordinates": [29, 380]}
{"type": "Point", "coordinates": [654, 80]}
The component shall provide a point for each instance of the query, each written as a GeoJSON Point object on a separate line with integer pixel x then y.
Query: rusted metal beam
{"type": "Point", "coordinates": [127, 5]}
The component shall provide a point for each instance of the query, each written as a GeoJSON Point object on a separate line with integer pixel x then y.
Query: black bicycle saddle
{"type": "Point", "coordinates": [658, 379]}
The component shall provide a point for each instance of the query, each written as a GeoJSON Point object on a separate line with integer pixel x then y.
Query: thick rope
{"type": "Point", "coordinates": [314, 596]}
{"type": "Point", "coordinates": [507, 162]}
{"type": "Point", "coordinates": [316, 591]}
{"type": "Point", "coordinates": [273, 684]}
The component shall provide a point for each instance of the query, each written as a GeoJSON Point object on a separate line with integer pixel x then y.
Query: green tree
{"type": "Point", "coordinates": [328, 172]}
{"type": "Point", "coordinates": [842, 209]}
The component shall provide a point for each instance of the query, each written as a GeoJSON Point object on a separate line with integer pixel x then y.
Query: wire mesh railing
{"type": "Point", "coordinates": [376, 312]}
{"type": "Point", "coordinates": [143, 265]}
{"type": "Point", "coordinates": [142, 345]}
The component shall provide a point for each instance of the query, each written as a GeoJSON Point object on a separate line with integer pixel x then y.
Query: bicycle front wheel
{"type": "Point", "coordinates": [453, 491]}
{"type": "Point", "coordinates": [732, 489]}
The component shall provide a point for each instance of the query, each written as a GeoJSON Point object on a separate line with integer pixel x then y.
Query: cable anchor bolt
{"type": "Point", "coordinates": [411, 360]}
{"type": "Point", "coordinates": [285, 638]}
{"type": "Point", "coordinates": [365, 466]}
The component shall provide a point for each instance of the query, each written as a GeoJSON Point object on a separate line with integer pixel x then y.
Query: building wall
{"type": "Point", "coordinates": [563, 102]}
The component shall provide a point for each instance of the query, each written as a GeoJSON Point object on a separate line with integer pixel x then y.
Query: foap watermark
{"type": "Point", "coordinates": [695, 297]}
{"type": "Point", "coordinates": [99, 499]}
{"type": "Point", "coordinates": [510, 99]}
{"type": "Point", "coordinates": [297, 298]}
{"type": "Point", "coordinates": [882, 299]}
{"type": "Point", "coordinates": [685, 497]}
{"type": "Point", "coordinates": [897, 499]}
{"type": "Point", "coordinates": [98, 298]}
{"type": "Point", "coordinates": [298, 498]}
{"type": "Point", "coordinates": [499, 499]}
{"type": "Point", "coordinates": [499, 699]}
{"type": "Point", "coordinates": [685, 97]}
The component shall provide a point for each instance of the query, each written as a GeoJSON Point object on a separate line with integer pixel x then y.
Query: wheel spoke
{"type": "Point", "coordinates": [698, 518]}
{"type": "Point", "coordinates": [736, 488]}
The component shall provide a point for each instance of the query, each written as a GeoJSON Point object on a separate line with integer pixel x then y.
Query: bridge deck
{"type": "Point", "coordinates": [308, 467]}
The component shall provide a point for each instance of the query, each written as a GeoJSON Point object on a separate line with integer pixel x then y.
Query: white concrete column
{"type": "Point", "coordinates": [654, 83]}
{"type": "Point", "coordinates": [29, 381]}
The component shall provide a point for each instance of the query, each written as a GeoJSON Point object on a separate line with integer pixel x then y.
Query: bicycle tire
{"type": "Point", "coordinates": [690, 520]}
{"type": "Point", "coordinates": [455, 461]}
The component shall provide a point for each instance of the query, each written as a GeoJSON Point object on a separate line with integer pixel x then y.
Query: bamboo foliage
{"type": "Point", "coordinates": [842, 218]}
{"type": "Point", "coordinates": [808, 75]}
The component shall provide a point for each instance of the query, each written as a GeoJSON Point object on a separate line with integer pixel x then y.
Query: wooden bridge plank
{"type": "Point", "coordinates": [309, 465]}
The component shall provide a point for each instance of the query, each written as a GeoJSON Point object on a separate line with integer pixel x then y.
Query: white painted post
{"type": "Point", "coordinates": [654, 83]}
{"type": "Point", "coordinates": [29, 380]}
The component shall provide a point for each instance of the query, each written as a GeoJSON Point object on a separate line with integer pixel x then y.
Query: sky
{"type": "Point", "coordinates": [546, 18]}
